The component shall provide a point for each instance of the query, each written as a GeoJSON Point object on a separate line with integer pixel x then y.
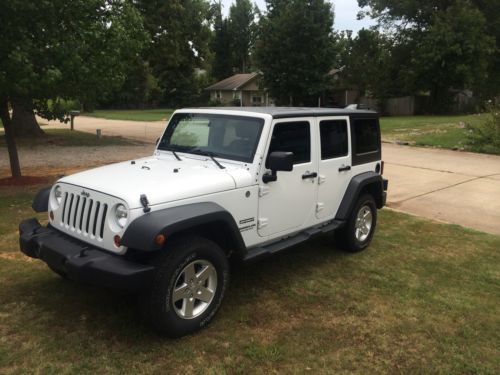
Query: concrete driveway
{"type": "Point", "coordinates": [454, 187]}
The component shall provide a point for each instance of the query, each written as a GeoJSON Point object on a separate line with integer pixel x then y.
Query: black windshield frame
{"type": "Point", "coordinates": [165, 145]}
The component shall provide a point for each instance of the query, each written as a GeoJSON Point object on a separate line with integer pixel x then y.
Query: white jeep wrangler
{"type": "Point", "coordinates": [238, 182]}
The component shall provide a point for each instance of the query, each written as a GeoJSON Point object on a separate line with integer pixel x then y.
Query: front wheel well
{"type": "Point", "coordinates": [217, 231]}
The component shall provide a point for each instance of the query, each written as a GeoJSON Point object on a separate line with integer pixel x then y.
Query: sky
{"type": "Point", "coordinates": [345, 14]}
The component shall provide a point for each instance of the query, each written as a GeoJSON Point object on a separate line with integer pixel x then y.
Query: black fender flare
{"type": "Point", "coordinates": [356, 185]}
{"type": "Point", "coordinates": [141, 233]}
{"type": "Point", "coordinates": [41, 201]}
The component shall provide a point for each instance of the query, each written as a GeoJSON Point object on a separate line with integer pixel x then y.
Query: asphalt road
{"type": "Point", "coordinates": [454, 187]}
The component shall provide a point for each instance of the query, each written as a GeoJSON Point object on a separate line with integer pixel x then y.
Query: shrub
{"type": "Point", "coordinates": [214, 103]}
{"type": "Point", "coordinates": [485, 136]}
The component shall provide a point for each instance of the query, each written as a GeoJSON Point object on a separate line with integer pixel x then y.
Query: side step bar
{"type": "Point", "coordinates": [256, 253]}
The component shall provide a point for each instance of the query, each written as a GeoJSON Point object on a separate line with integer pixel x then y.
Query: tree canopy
{"type": "Point", "coordinates": [180, 37]}
{"type": "Point", "coordinates": [441, 44]}
{"type": "Point", "coordinates": [59, 50]}
{"type": "Point", "coordinates": [295, 49]}
{"type": "Point", "coordinates": [242, 29]}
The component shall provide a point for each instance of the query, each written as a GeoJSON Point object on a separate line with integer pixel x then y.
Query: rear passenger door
{"type": "Point", "coordinates": [334, 164]}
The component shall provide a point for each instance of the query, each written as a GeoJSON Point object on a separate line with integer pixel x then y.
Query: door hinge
{"type": "Point", "coordinates": [263, 190]}
{"type": "Point", "coordinates": [320, 206]}
{"type": "Point", "coordinates": [262, 222]}
{"type": "Point", "coordinates": [321, 179]}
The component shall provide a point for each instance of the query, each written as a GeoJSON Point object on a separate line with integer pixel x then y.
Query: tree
{"type": "Point", "coordinates": [367, 62]}
{"type": "Point", "coordinates": [242, 29]}
{"type": "Point", "coordinates": [490, 87]}
{"type": "Point", "coordinates": [446, 44]}
{"type": "Point", "coordinates": [294, 49]}
{"type": "Point", "coordinates": [180, 31]}
{"type": "Point", "coordinates": [221, 46]}
{"type": "Point", "coordinates": [62, 50]}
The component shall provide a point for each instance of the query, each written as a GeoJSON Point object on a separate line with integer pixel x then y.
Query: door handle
{"type": "Point", "coordinates": [309, 175]}
{"type": "Point", "coordinates": [346, 168]}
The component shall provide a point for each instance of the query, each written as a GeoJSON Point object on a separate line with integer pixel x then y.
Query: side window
{"type": "Point", "coordinates": [293, 137]}
{"type": "Point", "coordinates": [366, 135]}
{"type": "Point", "coordinates": [334, 142]}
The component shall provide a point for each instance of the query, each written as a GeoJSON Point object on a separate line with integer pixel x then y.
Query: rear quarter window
{"type": "Point", "coordinates": [366, 140]}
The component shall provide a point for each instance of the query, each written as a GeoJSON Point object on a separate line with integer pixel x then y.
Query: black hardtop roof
{"type": "Point", "coordinates": [284, 112]}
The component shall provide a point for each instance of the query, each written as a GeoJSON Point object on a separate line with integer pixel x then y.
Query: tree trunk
{"type": "Point", "coordinates": [15, 167]}
{"type": "Point", "coordinates": [24, 123]}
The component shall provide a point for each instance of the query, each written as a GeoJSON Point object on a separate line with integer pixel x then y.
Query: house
{"type": "Point", "coordinates": [241, 90]}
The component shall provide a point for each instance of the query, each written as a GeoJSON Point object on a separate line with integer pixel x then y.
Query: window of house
{"type": "Point", "coordinates": [366, 135]}
{"type": "Point", "coordinates": [218, 94]}
{"type": "Point", "coordinates": [292, 137]}
{"type": "Point", "coordinates": [334, 142]}
{"type": "Point", "coordinates": [256, 99]}
{"type": "Point", "coordinates": [236, 94]}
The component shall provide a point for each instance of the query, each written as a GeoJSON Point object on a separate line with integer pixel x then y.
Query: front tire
{"type": "Point", "coordinates": [190, 283]}
{"type": "Point", "coordinates": [360, 227]}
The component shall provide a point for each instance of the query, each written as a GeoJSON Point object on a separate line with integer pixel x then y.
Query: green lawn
{"type": "Point", "coordinates": [424, 298]}
{"type": "Point", "coordinates": [66, 137]}
{"type": "Point", "coordinates": [434, 131]}
{"type": "Point", "coordinates": [159, 114]}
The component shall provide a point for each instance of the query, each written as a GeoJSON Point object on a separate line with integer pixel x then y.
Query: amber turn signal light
{"type": "Point", "coordinates": [160, 239]}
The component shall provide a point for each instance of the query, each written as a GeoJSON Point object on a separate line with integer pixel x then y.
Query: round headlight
{"type": "Point", "coordinates": [58, 194]}
{"type": "Point", "coordinates": [121, 215]}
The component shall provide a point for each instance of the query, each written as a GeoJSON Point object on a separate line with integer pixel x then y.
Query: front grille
{"type": "Point", "coordinates": [84, 215]}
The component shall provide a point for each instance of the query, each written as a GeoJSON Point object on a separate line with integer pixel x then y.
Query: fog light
{"type": "Point", "coordinates": [117, 239]}
{"type": "Point", "coordinates": [160, 239]}
{"type": "Point", "coordinates": [51, 215]}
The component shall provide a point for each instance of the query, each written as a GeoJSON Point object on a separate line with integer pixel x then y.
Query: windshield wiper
{"type": "Point", "coordinates": [176, 156]}
{"type": "Point", "coordinates": [211, 155]}
{"type": "Point", "coordinates": [172, 151]}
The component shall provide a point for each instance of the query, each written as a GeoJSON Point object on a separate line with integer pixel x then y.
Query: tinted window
{"type": "Point", "coordinates": [366, 135]}
{"type": "Point", "coordinates": [333, 138]}
{"type": "Point", "coordinates": [292, 137]}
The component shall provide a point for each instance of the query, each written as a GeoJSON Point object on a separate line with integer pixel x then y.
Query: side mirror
{"type": "Point", "coordinates": [278, 161]}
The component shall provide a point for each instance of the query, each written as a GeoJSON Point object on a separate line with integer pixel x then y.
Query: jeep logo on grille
{"type": "Point", "coordinates": [85, 194]}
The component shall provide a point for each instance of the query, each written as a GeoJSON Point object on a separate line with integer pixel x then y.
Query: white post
{"type": "Point", "coordinates": [241, 98]}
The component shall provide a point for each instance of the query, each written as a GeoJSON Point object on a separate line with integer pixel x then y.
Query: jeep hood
{"type": "Point", "coordinates": [161, 179]}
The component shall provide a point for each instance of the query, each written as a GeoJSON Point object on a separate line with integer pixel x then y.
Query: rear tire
{"type": "Point", "coordinates": [190, 282]}
{"type": "Point", "coordinates": [357, 234]}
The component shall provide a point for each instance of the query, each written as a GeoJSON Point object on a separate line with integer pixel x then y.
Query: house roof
{"type": "Point", "coordinates": [234, 82]}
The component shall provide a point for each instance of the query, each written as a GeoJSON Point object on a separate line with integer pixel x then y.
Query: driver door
{"type": "Point", "coordinates": [288, 204]}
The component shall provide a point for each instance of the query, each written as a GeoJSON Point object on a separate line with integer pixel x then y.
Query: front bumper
{"type": "Point", "coordinates": [80, 261]}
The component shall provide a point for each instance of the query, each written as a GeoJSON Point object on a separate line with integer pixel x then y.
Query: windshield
{"type": "Point", "coordinates": [225, 136]}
